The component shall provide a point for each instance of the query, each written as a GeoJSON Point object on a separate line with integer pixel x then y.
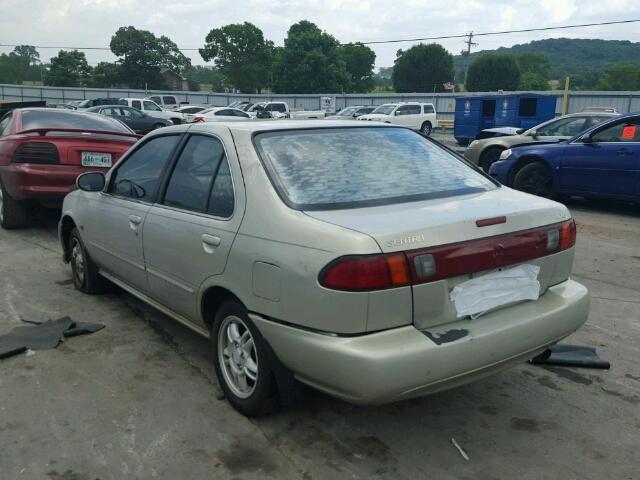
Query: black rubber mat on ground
{"type": "Point", "coordinates": [44, 335]}
{"type": "Point", "coordinates": [571, 356]}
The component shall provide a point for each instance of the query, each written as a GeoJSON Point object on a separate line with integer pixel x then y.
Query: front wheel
{"type": "Point", "coordinates": [534, 178]}
{"type": "Point", "coordinates": [157, 126]}
{"type": "Point", "coordinates": [84, 271]}
{"type": "Point", "coordinates": [426, 128]}
{"type": "Point", "coordinates": [489, 157]}
{"type": "Point", "coordinates": [242, 363]}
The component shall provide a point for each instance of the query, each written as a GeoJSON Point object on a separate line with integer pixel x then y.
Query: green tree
{"type": "Point", "coordinates": [623, 76]}
{"type": "Point", "coordinates": [533, 81]}
{"type": "Point", "coordinates": [359, 61]}
{"type": "Point", "coordinates": [143, 56]}
{"type": "Point", "coordinates": [68, 69]}
{"type": "Point", "coordinates": [209, 78]}
{"type": "Point", "coordinates": [422, 68]}
{"type": "Point", "coordinates": [309, 62]}
{"type": "Point", "coordinates": [105, 75]}
{"type": "Point", "coordinates": [241, 54]}
{"type": "Point", "coordinates": [493, 71]}
{"type": "Point", "coordinates": [537, 63]}
{"type": "Point", "coordinates": [9, 69]}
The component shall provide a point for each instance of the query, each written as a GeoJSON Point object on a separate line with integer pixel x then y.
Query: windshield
{"type": "Point", "coordinates": [354, 167]}
{"type": "Point", "coordinates": [70, 119]}
{"type": "Point", "coordinates": [347, 112]}
{"type": "Point", "coordinates": [385, 109]}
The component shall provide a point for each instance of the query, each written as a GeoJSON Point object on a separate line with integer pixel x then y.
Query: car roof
{"type": "Point", "coordinates": [275, 125]}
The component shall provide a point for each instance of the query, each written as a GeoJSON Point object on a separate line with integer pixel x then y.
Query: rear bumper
{"type": "Point", "coordinates": [404, 362]}
{"type": "Point", "coordinates": [26, 181]}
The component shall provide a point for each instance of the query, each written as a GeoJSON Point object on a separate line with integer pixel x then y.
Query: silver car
{"type": "Point", "coordinates": [487, 151]}
{"type": "Point", "coordinates": [363, 260]}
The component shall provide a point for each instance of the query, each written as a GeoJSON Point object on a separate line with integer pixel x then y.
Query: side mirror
{"type": "Point", "coordinates": [354, 115]}
{"type": "Point", "coordinates": [534, 134]}
{"type": "Point", "coordinates": [520, 131]}
{"type": "Point", "coordinates": [586, 138]}
{"type": "Point", "coordinates": [91, 182]}
{"type": "Point", "coordinates": [263, 114]}
{"type": "Point", "coordinates": [397, 112]}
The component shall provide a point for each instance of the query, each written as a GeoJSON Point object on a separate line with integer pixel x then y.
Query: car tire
{"type": "Point", "coordinates": [534, 178]}
{"type": "Point", "coordinates": [158, 125]}
{"type": "Point", "coordinates": [176, 121]}
{"type": "Point", "coordinates": [489, 157]}
{"type": "Point", "coordinates": [13, 213]}
{"type": "Point", "coordinates": [84, 271]}
{"type": "Point", "coordinates": [242, 362]}
{"type": "Point", "coordinates": [426, 128]}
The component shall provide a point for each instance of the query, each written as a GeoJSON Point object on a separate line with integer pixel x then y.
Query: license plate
{"type": "Point", "coordinates": [96, 159]}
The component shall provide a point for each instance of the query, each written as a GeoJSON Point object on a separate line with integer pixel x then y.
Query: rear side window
{"type": "Point", "coordinates": [626, 131]}
{"type": "Point", "coordinates": [428, 109]}
{"type": "Point", "coordinates": [70, 119]}
{"type": "Point", "coordinates": [138, 176]}
{"type": "Point", "coordinates": [190, 183]}
{"type": "Point", "coordinates": [136, 104]}
{"type": "Point", "coordinates": [155, 99]}
{"type": "Point", "coordinates": [4, 125]}
{"type": "Point", "coordinates": [354, 167]}
{"type": "Point", "coordinates": [168, 100]}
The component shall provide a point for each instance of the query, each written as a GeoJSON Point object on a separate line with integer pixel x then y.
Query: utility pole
{"type": "Point", "coordinates": [467, 53]}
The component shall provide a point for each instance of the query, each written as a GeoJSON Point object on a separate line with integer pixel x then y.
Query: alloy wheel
{"type": "Point", "coordinates": [237, 356]}
{"type": "Point", "coordinates": [77, 261]}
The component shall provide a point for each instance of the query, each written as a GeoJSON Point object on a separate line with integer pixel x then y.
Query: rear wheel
{"type": "Point", "coordinates": [13, 213]}
{"type": "Point", "coordinates": [242, 363]}
{"type": "Point", "coordinates": [84, 271]}
{"type": "Point", "coordinates": [426, 128]}
{"type": "Point", "coordinates": [489, 157]}
{"type": "Point", "coordinates": [534, 178]}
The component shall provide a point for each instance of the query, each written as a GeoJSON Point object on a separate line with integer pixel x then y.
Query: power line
{"type": "Point", "coordinates": [503, 32]}
{"type": "Point", "coordinates": [375, 42]}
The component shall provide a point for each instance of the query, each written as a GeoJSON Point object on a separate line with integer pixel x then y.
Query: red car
{"type": "Point", "coordinates": [42, 152]}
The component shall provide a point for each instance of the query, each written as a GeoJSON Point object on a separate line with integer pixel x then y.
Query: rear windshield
{"type": "Point", "coordinates": [61, 119]}
{"type": "Point", "coordinates": [356, 167]}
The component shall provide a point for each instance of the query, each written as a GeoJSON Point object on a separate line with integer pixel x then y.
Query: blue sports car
{"type": "Point", "coordinates": [602, 162]}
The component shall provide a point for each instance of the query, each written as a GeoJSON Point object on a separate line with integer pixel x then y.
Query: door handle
{"type": "Point", "coordinates": [134, 221]}
{"type": "Point", "coordinates": [624, 151]}
{"type": "Point", "coordinates": [210, 243]}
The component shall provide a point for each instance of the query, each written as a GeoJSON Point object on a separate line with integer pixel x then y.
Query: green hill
{"type": "Point", "coordinates": [571, 56]}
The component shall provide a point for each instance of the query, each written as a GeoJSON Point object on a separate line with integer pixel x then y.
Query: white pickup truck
{"type": "Point", "coordinates": [281, 110]}
{"type": "Point", "coordinates": [419, 116]}
{"type": "Point", "coordinates": [152, 109]}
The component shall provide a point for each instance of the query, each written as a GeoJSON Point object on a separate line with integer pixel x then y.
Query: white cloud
{"type": "Point", "coordinates": [93, 22]}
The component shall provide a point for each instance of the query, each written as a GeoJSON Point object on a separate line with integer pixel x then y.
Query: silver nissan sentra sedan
{"type": "Point", "coordinates": [366, 261]}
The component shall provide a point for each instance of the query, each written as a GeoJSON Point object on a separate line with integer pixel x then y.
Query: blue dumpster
{"type": "Point", "coordinates": [525, 110]}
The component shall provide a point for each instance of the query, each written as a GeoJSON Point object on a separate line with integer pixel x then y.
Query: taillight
{"type": "Point", "coordinates": [372, 272]}
{"type": "Point", "coordinates": [36, 152]}
{"type": "Point", "coordinates": [198, 119]}
{"type": "Point", "coordinates": [376, 272]}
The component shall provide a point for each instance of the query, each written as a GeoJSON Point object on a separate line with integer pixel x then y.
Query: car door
{"type": "Point", "coordinates": [115, 220]}
{"type": "Point", "coordinates": [188, 233]}
{"type": "Point", "coordinates": [137, 120]}
{"type": "Point", "coordinates": [402, 116]}
{"type": "Point", "coordinates": [608, 164]}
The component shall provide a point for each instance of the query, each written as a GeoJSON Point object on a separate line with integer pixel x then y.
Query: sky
{"type": "Point", "coordinates": [82, 23]}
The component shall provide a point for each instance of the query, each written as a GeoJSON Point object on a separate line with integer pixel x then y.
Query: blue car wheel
{"type": "Point", "coordinates": [534, 178]}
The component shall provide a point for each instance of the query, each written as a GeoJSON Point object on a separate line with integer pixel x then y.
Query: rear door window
{"type": "Point", "coordinates": [138, 176]}
{"type": "Point", "coordinates": [190, 183]}
{"type": "Point", "coordinates": [169, 100]}
{"type": "Point", "coordinates": [136, 104]}
{"type": "Point", "coordinates": [623, 132]}
{"type": "Point", "coordinates": [353, 167]}
{"type": "Point", "coordinates": [151, 106]}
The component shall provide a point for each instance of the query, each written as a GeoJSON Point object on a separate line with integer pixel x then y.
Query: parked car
{"type": "Point", "coordinates": [349, 113]}
{"type": "Point", "coordinates": [419, 116]}
{"type": "Point", "coordinates": [603, 162]}
{"type": "Point", "coordinates": [94, 102]}
{"type": "Point", "coordinates": [281, 110]}
{"type": "Point", "coordinates": [133, 118]}
{"type": "Point", "coordinates": [305, 251]}
{"type": "Point", "coordinates": [42, 151]}
{"type": "Point", "coordinates": [486, 151]}
{"type": "Point", "coordinates": [152, 109]}
{"type": "Point", "coordinates": [600, 109]}
{"type": "Point", "coordinates": [168, 102]}
{"type": "Point", "coordinates": [221, 114]}
{"type": "Point", "coordinates": [189, 111]}
{"type": "Point", "coordinates": [241, 104]}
